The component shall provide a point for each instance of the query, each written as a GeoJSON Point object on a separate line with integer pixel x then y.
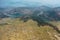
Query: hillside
{"type": "Point", "coordinates": [16, 29]}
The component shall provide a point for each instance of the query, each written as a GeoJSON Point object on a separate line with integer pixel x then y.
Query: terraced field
{"type": "Point", "coordinates": [19, 30]}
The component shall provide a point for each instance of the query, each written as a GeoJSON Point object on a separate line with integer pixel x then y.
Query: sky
{"type": "Point", "coordinates": [29, 3]}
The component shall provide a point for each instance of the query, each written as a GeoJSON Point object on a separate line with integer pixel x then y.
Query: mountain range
{"type": "Point", "coordinates": [43, 12]}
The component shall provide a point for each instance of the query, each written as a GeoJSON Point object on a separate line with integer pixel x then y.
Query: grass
{"type": "Point", "coordinates": [19, 30]}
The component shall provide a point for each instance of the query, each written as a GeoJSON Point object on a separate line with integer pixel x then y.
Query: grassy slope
{"type": "Point", "coordinates": [18, 30]}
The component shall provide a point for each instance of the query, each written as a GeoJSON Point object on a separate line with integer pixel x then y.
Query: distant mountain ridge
{"type": "Point", "coordinates": [44, 12]}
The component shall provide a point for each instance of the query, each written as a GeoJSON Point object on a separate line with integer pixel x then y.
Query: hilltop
{"type": "Point", "coordinates": [19, 30]}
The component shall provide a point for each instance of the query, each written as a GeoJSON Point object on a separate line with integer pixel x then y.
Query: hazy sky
{"type": "Point", "coordinates": [28, 3]}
